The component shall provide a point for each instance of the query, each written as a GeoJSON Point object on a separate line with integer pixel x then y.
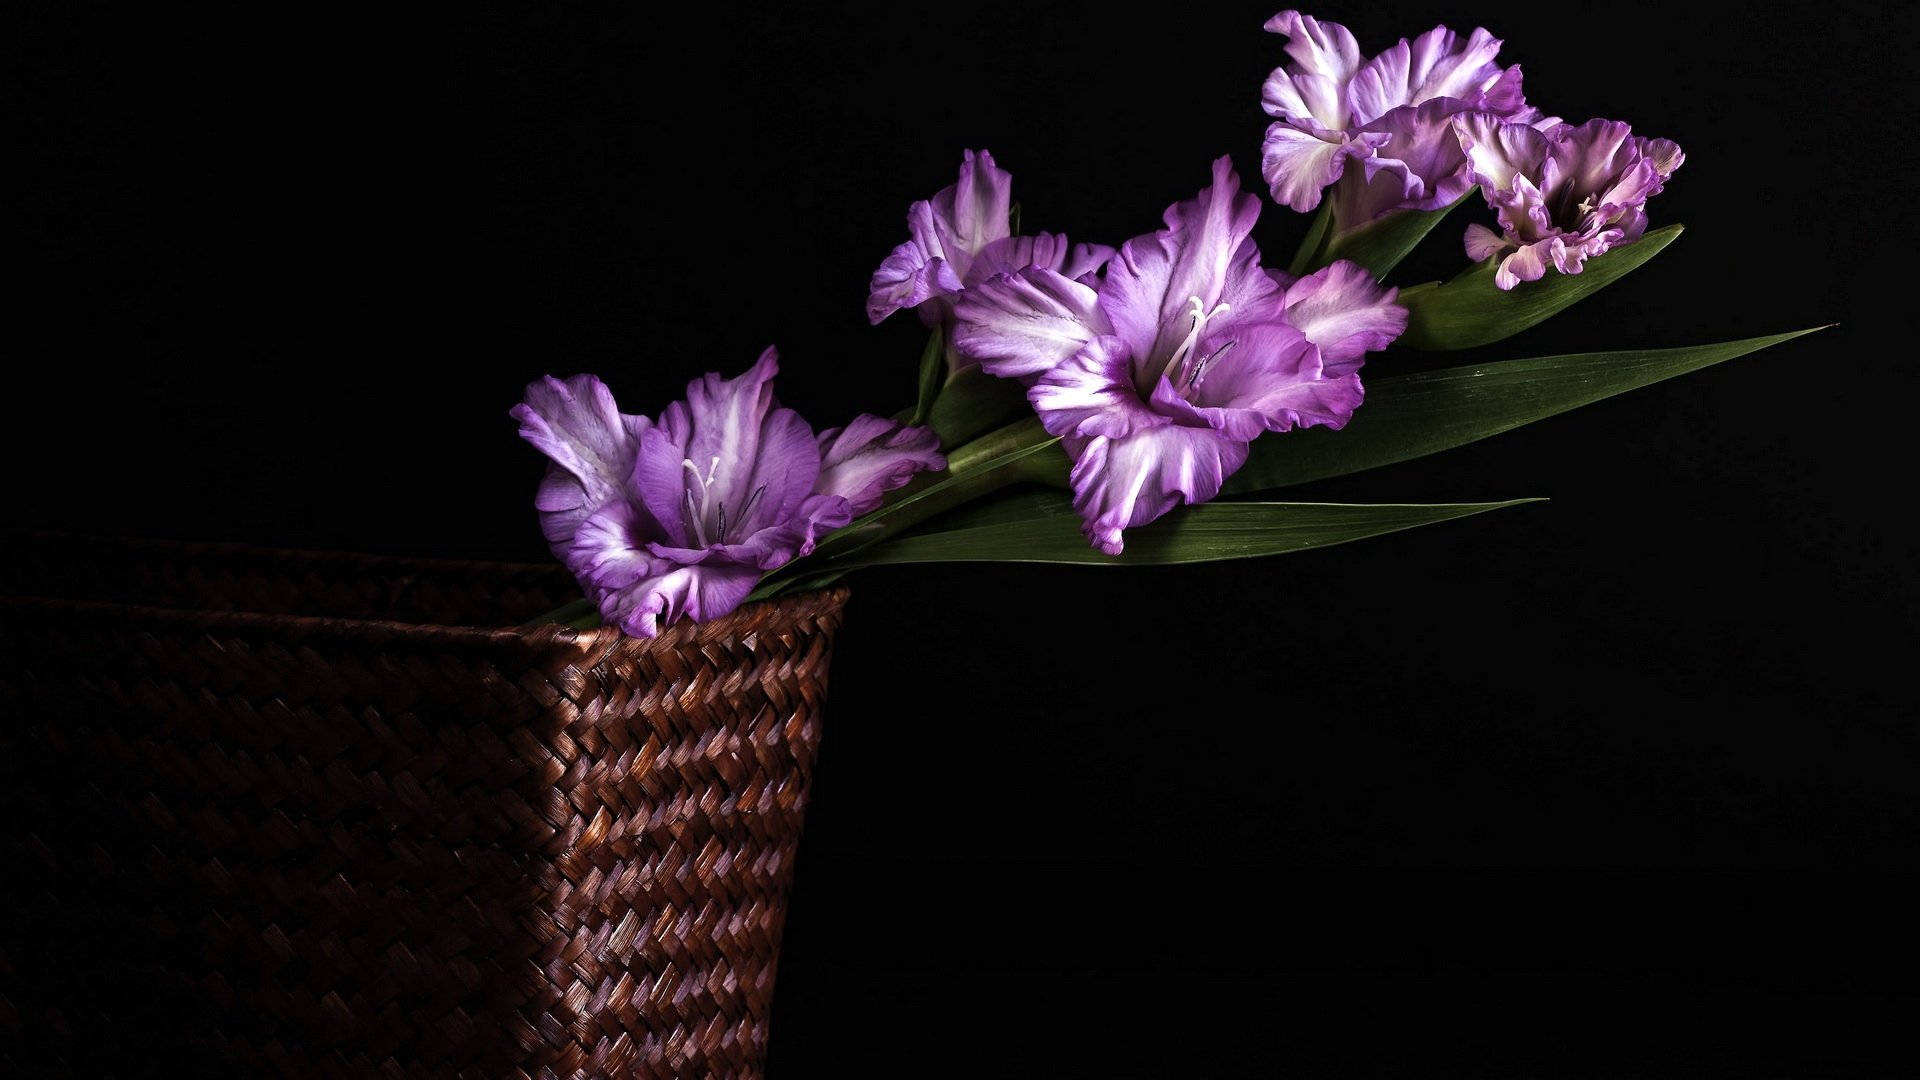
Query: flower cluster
{"type": "Point", "coordinates": [1156, 365]}
{"type": "Point", "coordinates": [1423, 123]}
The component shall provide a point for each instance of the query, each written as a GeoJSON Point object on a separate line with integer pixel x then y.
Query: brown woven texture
{"type": "Point", "coordinates": [257, 825]}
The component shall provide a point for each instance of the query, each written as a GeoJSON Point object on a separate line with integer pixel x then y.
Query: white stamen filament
{"type": "Point", "coordinates": [697, 513]}
{"type": "Point", "coordinates": [1176, 365]}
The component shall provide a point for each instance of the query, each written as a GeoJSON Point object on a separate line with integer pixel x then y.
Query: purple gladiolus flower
{"type": "Point", "coordinates": [1387, 116]}
{"type": "Point", "coordinates": [962, 237]}
{"type": "Point", "coordinates": [1158, 376]}
{"type": "Point", "coordinates": [682, 514]}
{"type": "Point", "coordinates": [1563, 193]}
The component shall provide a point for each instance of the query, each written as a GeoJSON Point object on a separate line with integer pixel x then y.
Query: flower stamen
{"type": "Point", "coordinates": [1176, 365]}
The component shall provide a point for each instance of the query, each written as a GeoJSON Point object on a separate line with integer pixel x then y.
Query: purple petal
{"type": "Point", "coordinates": [1320, 48]}
{"type": "Point", "coordinates": [872, 456]}
{"type": "Point", "coordinates": [1297, 165]}
{"type": "Point", "coordinates": [1092, 393]}
{"type": "Point", "coordinates": [975, 211]}
{"type": "Point", "coordinates": [726, 462]}
{"type": "Point", "coordinates": [1086, 260]}
{"type": "Point", "coordinates": [1345, 312]}
{"type": "Point", "coordinates": [1498, 151]}
{"type": "Point", "coordinates": [610, 550]}
{"type": "Point", "coordinates": [756, 444]}
{"type": "Point", "coordinates": [1526, 264]}
{"type": "Point", "coordinates": [590, 442]}
{"type": "Point", "coordinates": [1325, 56]}
{"type": "Point", "coordinates": [1202, 252]}
{"type": "Point", "coordinates": [1021, 325]}
{"type": "Point", "coordinates": [694, 592]}
{"type": "Point", "coordinates": [1436, 64]}
{"type": "Point", "coordinates": [908, 278]}
{"type": "Point", "coordinates": [1273, 379]}
{"type": "Point", "coordinates": [1120, 483]}
{"type": "Point", "coordinates": [947, 231]}
{"type": "Point", "coordinates": [1421, 156]}
{"type": "Point", "coordinates": [1483, 243]}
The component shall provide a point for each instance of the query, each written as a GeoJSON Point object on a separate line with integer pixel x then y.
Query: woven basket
{"type": "Point", "coordinates": [285, 814]}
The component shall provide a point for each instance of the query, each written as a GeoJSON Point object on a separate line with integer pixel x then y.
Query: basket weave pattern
{"type": "Point", "coordinates": [263, 842]}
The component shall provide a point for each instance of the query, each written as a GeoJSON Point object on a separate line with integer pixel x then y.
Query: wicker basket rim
{"type": "Point", "coordinates": [357, 560]}
{"type": "Point", "coordinates": [746, 619]}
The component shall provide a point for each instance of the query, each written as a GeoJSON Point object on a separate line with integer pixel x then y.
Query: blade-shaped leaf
{"type": "Point", "coordinates": [974, 403]}
{"type": "Point", "coordinates": [979, 468]}
{"type": "Point", "coordinates": [1410, 416]}
{"type": "Point", "coordinates": [1380, 245]}
{"type": "Point", "coordinates": [1470, 310]}
{"type": "Point", "coordinates": [933, 370]}
{"type": "Point", "coordinates": [1049, 532]}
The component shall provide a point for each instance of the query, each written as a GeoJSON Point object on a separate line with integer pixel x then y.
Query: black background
{"type": "Point", "coordinates": [1618, 785]}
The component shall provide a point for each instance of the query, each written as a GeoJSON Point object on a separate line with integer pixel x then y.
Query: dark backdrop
{"type": "Point", "coordinates": [1618, 785]}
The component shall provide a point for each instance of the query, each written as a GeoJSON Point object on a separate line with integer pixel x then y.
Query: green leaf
{"type": "Point", "coordinates": [977, 469]}
{"type": "Point", "coordinates": [1048, 531]}
{"type": "Point", "coordinates": [1379, 246]}
{"type": "Point", "coordinates": [974, 403]}
{"type": "Point", "coordinates": [1470, 310]}
{"type": "Point", "coordinates": [1410, 416]}
{"type": "Point", "coordinates": [933, 370]}
{"type": "Point", "coordinates": [771, 586]}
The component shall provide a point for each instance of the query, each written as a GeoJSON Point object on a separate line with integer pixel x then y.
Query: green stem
{"type": "Point", "coordinates": [1314, 244]}
{"type": "Point", "coordinates": [978, 468]}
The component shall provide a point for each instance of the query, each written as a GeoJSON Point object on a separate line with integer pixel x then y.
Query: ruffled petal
{"type": "Point", "coordinates": [758, 446]}
{"type": "Point", "coordinates": [1020, 325]}
{"type": "Point", "coordinates": [701, 592]}
{"type": "Point", "coordinates": [1345, 312]}
{"type": "Point", "coordinates": [1120, 483]}
{"type": "Point", "coordinates": [591, 444]}
{"type": "Point", "coordinates": [908, 278]}
{"type": "Point", "coordinates": [1048, 251]}
{"type": "Point", "coordinates": [611, 549]}
{"type": "Point", "coordinates": [1525, 264]}
{"type": "Point", "coordinates": [726, 462]}
{"type": "Point", "coordinates": [1483, 243]}
{"type": "Point", "coordinates": [1092, 393]}
{"type": "Point", "coordinates": [1203, 252]}
{"type": "Point", "coordinates": [1498, 151]}
{"type": "Point", "coordinates": [948, 231]}
{"type": "Point", "coordinates": [1436, 64]}
{"type": "Point", "coordinates": [975, 211]}
{"type": "Point", "coordinates": [1298, 165]}
{"type": "Point", "coordinates": [1323, 51]}
{"type": "Point", "coordinates": [1274, 379]}
{"type": "Point", "coordinates": [1418, 165]}
{"type": "Point", "coordinates": [872, 456]}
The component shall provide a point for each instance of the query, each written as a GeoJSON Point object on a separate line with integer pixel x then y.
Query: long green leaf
{"type": "Point", "coordinates": [979, 468]}
{"type": "Point", "coordinates": [974, 403]}
{"type": "Point", "coordinates": [933, 369]}
{"type": "Point", "coordinates": [1410, 416]}
{"type": "Point", "coordinates": [1470, 310]}
{"type": "Point", "coordinates": [1050, 533]}
{"type": "Point", "coordinates": [1379, 246]}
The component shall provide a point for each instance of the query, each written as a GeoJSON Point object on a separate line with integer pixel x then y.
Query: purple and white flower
{"type": "Point", "coordinates": [1562, 194]}
{"type": "Point", "coordinates": [680, 515]}
{"type": "Point", "coordinates": [962, 237]}
{"type": "Point", "coordinates": [1378, 128]}
{"type": "Point", "coordinates": [1159, 375]}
